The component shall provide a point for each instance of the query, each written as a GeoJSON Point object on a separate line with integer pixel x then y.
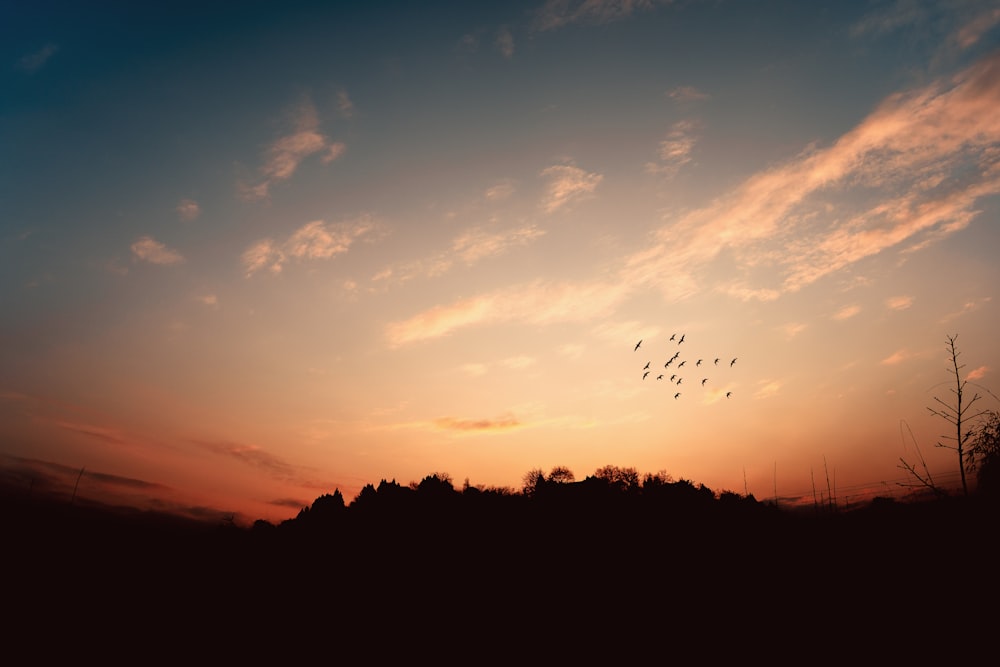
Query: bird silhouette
{"type": "Point", "coordinates": [672, 377]}
{"type": "Point", "coordinates": [699, 363]}
{"type": "Point", "coordinates": [728, 394]}
{"type": "Point", "coordinates": [660, 376]}
{"type": "Point", "coordinates": [704, 381]}
{"type": "Point", "coordinates": [637, 345]}
{"type": "Point", "coordinates": [646, 366]}
{"type": "Point", "coordinates": [732, 362]}
{"type": "Point", "coordinates": [681, 340]}
{"type": "Point", "coordinates": [682, 363]}
{"type": "Point", "coordinates": [677, 394]}
{"type": "Point", "coordinates": [673, 336]}
{"type": "Point", "coordinates": [716, 361]}
{"type": "Point", "coordinates": [679, 380]}
{"type": "Point", "coordinates": [645, 374]}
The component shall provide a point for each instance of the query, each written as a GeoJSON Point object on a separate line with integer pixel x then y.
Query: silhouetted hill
{"type": "Point", "coordinates": [577, 563]}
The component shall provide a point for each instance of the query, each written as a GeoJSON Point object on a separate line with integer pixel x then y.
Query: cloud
{"type": "Point", "coordinates": [687, 94]}
{"type": "Point", "coordinates": [969, 306]}
{"type": "Point", "coordinates": [971, 32]}
{"type": "Point", "coordinates": [501, 190]}
{"type": "Point", "coordinates": [896, 357]}
{"type": "Point", "coordinates": [767, 388]}
{"type": "Point", "coordinates": [344, 104]}
{"type": "Point", "coordinates": [908, 175]}
{"type": "Point", "coordinates": [35, 61]}
{"type": "Point", "coordinates": [209, 300]}
{"type": "Point", "coordinates": [911, 173]}
{"type": "Point", "coordinates": [283, 156]}
{"type": "Point", "coordinates": [536, 303]}
{"type": "Point", "coordinates": [477, 243]}
{"type": "Point", "coordinates": [188, 210]}
{"type": "Point", "coordinates": [899, 302]}
{"type": "Point", "coordinates": [675, 149]}
{"type": "Point", "coordinates": [503, 423]}
{"type": "Point", "coordinates": [313, 240]}
{"type": "Point", "coordinates": [505, 42]}
{"type": "Point", "coordinates": [567, 183]}
{"type": "Point", "coordinates": [154, 252]}
{"type": "Point", "coordinates": [558, 13]}
{"type": "Point", "coordinates": [793, 329]}
{"type": "Point", "coordinates": [901, 13]}
{"type": "Point", "coordinates": [250, 455]}
{"type": "Point", "coordinates": [105, 433]}
{"type": "Point", "coordinates": [978, 373]}
{"type": "Point", "coordinates": [847, 312]}
{"type": "Point", "coordinates": [519, 362]}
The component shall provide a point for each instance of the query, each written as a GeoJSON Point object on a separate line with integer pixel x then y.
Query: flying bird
{"type": "Point", "coordinates": [681, 340]}
{"type": "Point", "coordinates": [704, 381]}
{"type": "Point", "coordinates": [660, 376]}
{"type": "Point", "coordinates": [677, 394]}
{"type": "Point", "coordinates": [646, 366]}
{"type": "Point", "coordinates": [673, 336]}
{"type": "Point", "coordinates": [637, 345]}
{"type": "Point", "coordinates": [645, 374]}
{"type": "Point", "coordinates": [732, 362]}
{"type": "Point", "coordinates": [716, 361]}
{"type": "Point", "coordinates": [728, 394]}
{"type": "Point", "coordinates": [672, 377]}
{"type": "Point", "coordinates": [699, 363]}
{"type": "Point", "coordinates": [682, 363]}
{"type": "Point", "coordinates": [679, 380]}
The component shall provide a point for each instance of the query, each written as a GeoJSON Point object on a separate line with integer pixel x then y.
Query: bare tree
{"type": "Point", "coordinates": [957, 413]}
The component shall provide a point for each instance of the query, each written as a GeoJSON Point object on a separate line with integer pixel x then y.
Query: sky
{"type": "Point", "coordinates": [254, 253]}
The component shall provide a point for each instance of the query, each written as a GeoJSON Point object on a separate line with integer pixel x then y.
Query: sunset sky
{"type": "Point", "coordinates": [255, 252]}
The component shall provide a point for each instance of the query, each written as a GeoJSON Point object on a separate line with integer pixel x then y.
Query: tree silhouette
{"type": "Point", "coordinates": [984, 452]}
{"type": "Point", "coordinates": [957, 413]}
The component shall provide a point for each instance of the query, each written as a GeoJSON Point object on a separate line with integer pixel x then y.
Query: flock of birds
{"type": "Point", "coordinates": [676, 378]}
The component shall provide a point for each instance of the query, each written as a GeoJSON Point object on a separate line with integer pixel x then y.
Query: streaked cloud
{"type": "Point", "coordinates": [283, 156]}
{"type": "Point", "coordinates": [675, 150]}
{"type": "Point", "coordinates": [890, 18]}
{"type": "Point", "coordinates": [209, 300]}
{"type": "Point", "coordinates": [501, 190]}
{"type": "Point", "coordinates": [567, 183]}
{"type": "Point", "coordinates": [477, 243]}
{"type": "Point", "coordinates": [978, 373]}
{"type": "Point", "coordinates": [250, 455]}
{"type": "Point", "coordinates": [344, 104]}
{"type": "Point", "coordinates": [901, 302]}
{"type": "Point", "coordinates": [896, 357]}
{"type": "Point", "coordinates": [687, 94]}
{"type": "Point", "coordinates": [971, 32]}
{"type": "Point", "coordinates": [558, 13]}
{"type": "Point", "coordinates": [539, 302]}
{"type": "Point", "coordinates": [188, 210]}
{"type": "Point", "coordinates": [150, 250]}
{"type": "Point", "coordinates": [767, 389]}
{"type": "Point", "coordinates": [106, 433]}
{"type": "Point", "coordinates": [505, 42]}
{"type": "Point", "coordinates": [502, 423]}
{"type": "Point", "coordinates": [34, 61]}
{"type": "Point", "coordinates": [313, 240]}
{"type": "Point", "coordinates": [793, 329]}
{"type": "Point", "coordinates": [847, 312]}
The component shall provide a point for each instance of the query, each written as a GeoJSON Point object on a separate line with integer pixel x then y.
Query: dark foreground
{"type": "Point", "coordinates": [560, 583]}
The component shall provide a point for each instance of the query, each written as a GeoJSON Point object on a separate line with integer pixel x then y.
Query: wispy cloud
{"type": "Point", "coordinates": [890, 18]}
{"type": "Point", "coordinates": [847, 312]}
{"type": "Point", "coordinates": [499, 191]}
{"type": "Point", "coordinates": [567, 183]}
{"type": "Point", "coordinates": [188, 210]}
{"type": "Point", "coordinates": [538, 303]}
{"type": "Point", "coordinates": [33, 62]}
{"type": "Point", "coordinates": [687, 94]}
{"type": "Point", "coordinates": [502, 423]}
{"type": "Point", "coordinates": [896, 357]}
{"type": "Point", "coordinates": [972, 31]}
{"type": "Point", "coordinates": [314, 240]}
{"type": "Point", "coordinates": [106, 433]}
{"type": "Point", "coordinates": [344, 104]}
{"type": "Point", "coordinates": [901, 302]}
{"type": "Point", "coordinates": [150, 250]}
{"type": "Point", "coordinates": [558, 13]}
{"type": "Point", "coordinates": [282, 158]}
{"type": "Point", "coordinates": [250, 455]}
{"type": "Point", "coordinates": [928, 156]}
{"type": "Point", "coordinates": [505, 42]}
{"type": "Point", "coordinates": [978, 373]}
{"type": "Point", "coordinates": [675, 150]}
{"type": "Point", "coordinates": [908, 175]}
